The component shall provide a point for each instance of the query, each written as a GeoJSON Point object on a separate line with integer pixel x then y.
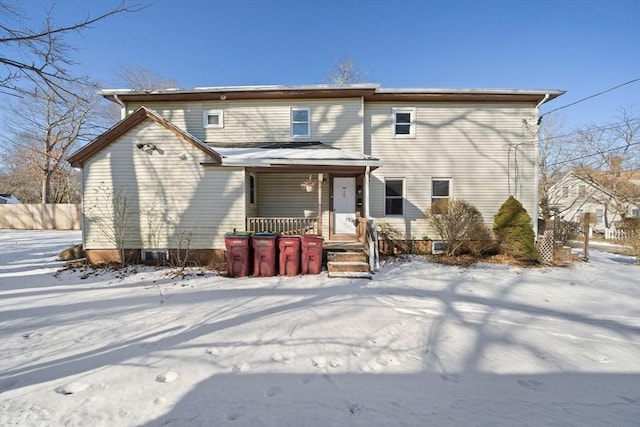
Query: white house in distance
{"type": "Point", "coordinates": [318, 159]}
{"type": "Point", "coordinates": [609, 195]}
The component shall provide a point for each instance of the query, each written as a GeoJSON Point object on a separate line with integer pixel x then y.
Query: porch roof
{"type": "Point", "coordinates": [294, 154]}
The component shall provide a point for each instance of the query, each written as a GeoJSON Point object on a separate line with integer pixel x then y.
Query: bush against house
{"type": "Point", "coordinates": [512, 226]}
{"type": "Point", "coordinates": [460, 225]}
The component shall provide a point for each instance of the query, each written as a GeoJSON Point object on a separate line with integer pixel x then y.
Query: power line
{"type": "Point", "coordinates": [594, 154]}
{"type": "Point", "coordinates": [604, 127]}
{"type": "Point", "coordinates": [590, 96]}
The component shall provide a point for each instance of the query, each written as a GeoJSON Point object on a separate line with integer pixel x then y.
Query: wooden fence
{"type": "Point", "coordinates": [41, 217]}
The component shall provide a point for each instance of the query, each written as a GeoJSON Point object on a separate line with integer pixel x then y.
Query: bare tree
{"type": "Point", "coordinates": [39, 57]}
{"type": "Point", "coordinates": [138, 78]}
{"type": "Point", "coordinates": [44, 128]}
{"type": "Point", "coordinates": [345, 72]}
{"type": "Point", "coordinates": [111, 211]}
{"type": "Point", "coordinates": [553, 151]}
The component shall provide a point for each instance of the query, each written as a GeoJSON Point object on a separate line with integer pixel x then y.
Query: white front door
{"type": "Point", "coordinates": [344, 205]}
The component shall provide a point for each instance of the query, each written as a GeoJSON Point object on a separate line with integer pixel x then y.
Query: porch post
{"type": "Point", "coordinates": [365, 207]}
{"type": "Point", "coordinates": [320, 203]}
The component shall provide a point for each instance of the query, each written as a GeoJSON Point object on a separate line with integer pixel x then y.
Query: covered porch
{"type": "Point", "coordinates": [304, 188]}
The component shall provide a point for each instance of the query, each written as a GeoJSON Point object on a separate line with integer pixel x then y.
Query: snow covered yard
{"type": "Point", "coordinates": [421, 344]}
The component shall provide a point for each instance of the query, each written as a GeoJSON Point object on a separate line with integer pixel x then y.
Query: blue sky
{"type": "Point", "coordinates": [581, 46]}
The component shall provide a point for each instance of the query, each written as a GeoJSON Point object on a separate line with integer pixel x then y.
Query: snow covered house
{"type": "Point", "coordinates": [328, 160]}
{"type": "Point", "coordinates": [609, 195]}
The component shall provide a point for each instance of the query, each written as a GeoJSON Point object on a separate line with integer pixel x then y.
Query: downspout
{"type": "Point", "coordinates": [123, 108]}
{"type": "Point", "coordinates": [536, 145]}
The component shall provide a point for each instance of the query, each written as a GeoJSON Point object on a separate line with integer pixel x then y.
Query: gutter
{"type": "Point", "coordinates": [123, 107]}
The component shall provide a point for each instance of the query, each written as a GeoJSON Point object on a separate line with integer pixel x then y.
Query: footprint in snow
{"type": "Point", "coordinates": [318, 361]}
{"type": "Point", "coordinates": [273, 391]}
{"type": "Point", "coordinates": [531, 385]}
{"type": "Point", "coordinates": [167, 377]}
{"type": "Point", "coordinates": [242, 367]}
{"type": "Point", "coordinates": [72, 388]}
{"type": "Point", "coordinates": [336, 362]}
{"type": "Point", "coordinates": [282, 357]}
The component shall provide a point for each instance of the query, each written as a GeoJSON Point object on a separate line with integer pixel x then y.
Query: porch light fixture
{"type": "Point", "coordinates": [308, 184]}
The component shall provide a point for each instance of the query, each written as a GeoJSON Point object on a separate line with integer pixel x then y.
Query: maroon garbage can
{"type": "Point", "coordinates": [289, 248]}
{"type": "Point", "coordinates": [311, 254]}
{"type": "Point", "coordinates": [238, 254]}
{"type": "Point", "coordinates": [264, 254]}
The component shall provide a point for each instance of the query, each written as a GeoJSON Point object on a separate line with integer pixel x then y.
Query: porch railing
{"type": "Point", "coordinates": [283, 225]}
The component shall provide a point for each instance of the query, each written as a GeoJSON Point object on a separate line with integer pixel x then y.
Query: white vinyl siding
{"type": "Point", "coordinates": [485, 148]}
{"type": "Point", "coordinates": [170, 192]}
{"type": "Point", "coordinates": [336, 122]}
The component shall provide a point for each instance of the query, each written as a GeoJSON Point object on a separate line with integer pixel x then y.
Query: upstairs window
{"type": "Point", "coordinates": [394, 197]}
{"type": "Point", "coordinates": [565, 192]}
{"type": "Point", "coordinates": [404, 122]}
{"type": "Point", "coordinates": [300, 122]}
{"type": "Point", "coordinates": [213, 119]}
{"type": "Point", "coordinates": [440, 189]}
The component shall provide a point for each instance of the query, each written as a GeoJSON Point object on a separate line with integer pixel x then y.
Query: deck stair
{"type": "Point", "coordinates": [348, 264]}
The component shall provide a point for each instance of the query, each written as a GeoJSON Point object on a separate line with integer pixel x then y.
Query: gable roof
{"type": "Point", "coordinates": [369, 92]}
{"type": "Point", "coordinates": [78, 158]}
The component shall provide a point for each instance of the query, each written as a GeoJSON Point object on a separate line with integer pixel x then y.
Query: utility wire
{"type": "Point", "coordinates": [594, 154]}
{"type": "Point", "coordinates": [604, 127]}
{"type": "Point", "coordinates": [590, 96]}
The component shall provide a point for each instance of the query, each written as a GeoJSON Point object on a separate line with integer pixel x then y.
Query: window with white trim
{"type": "Point", "coordinates": [300, 122]}
{"type": "Point", "coordinates": [600, 216]}
{"type": "Point", "coordinates": [404, 119]}
{"type": "Point", "coordinates": [440, 189]}
{"type": "Point", "coordinates": [213, 119]}
{"type": "Point", "coordinates": [394, 197]}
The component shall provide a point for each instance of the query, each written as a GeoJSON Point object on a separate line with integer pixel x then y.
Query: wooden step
{"type": "Point", "coordinates": [352, 266]}
{"type": "Point", "coordinates": [350, 274]}
{"type": "Point", "coordinates": [346, 257]}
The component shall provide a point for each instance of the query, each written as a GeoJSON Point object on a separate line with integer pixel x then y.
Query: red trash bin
{"type": "Point", "coordinates": [264, 254]}
{"type": "Point", "coordinates": [289, 247]}
{"type": "Point", "coordinates": [311, 254]}
{"type": "Point", "coordinates": [238, 254]}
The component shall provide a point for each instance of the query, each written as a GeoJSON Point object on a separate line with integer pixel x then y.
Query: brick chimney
{"type": "Point", "coordinates": [615, 165]}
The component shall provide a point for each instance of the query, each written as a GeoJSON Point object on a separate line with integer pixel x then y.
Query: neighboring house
{"type": "Point", "coordinates": [609, 196]}
{"type": "Point", "coordinates": [318, 159]}
{"type": "Point", "coordinates": [8, 199]}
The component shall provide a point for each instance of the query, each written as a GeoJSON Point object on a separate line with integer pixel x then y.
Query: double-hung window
{"type": "Point", "coordinates": [300, 123]}
{"type": "Point", "coordinates": [394, 197]}
{"type": "Point", "coordinates": [404, 122]}
{"type": "Point", "coordinates": [213, 119]}
{"type": "Point", "coordinates": [440, 189]}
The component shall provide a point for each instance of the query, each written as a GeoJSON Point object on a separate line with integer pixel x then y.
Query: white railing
{"type": "Point", "coordinates": [283, 225]}
{"type": "Point", "coordinates": [612, 234]}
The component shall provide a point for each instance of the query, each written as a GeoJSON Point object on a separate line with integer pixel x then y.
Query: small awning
{"type": "Point", "coordinates": [314, 154]}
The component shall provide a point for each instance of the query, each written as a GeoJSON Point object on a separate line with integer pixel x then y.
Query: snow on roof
{"type": "Point", "coordinates": [304, 154]}
{"type": "Point", "coordinates": [9, 199]}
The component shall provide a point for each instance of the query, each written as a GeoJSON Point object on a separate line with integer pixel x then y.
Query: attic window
{"type": "Point", "coordinates": [213, 119]}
